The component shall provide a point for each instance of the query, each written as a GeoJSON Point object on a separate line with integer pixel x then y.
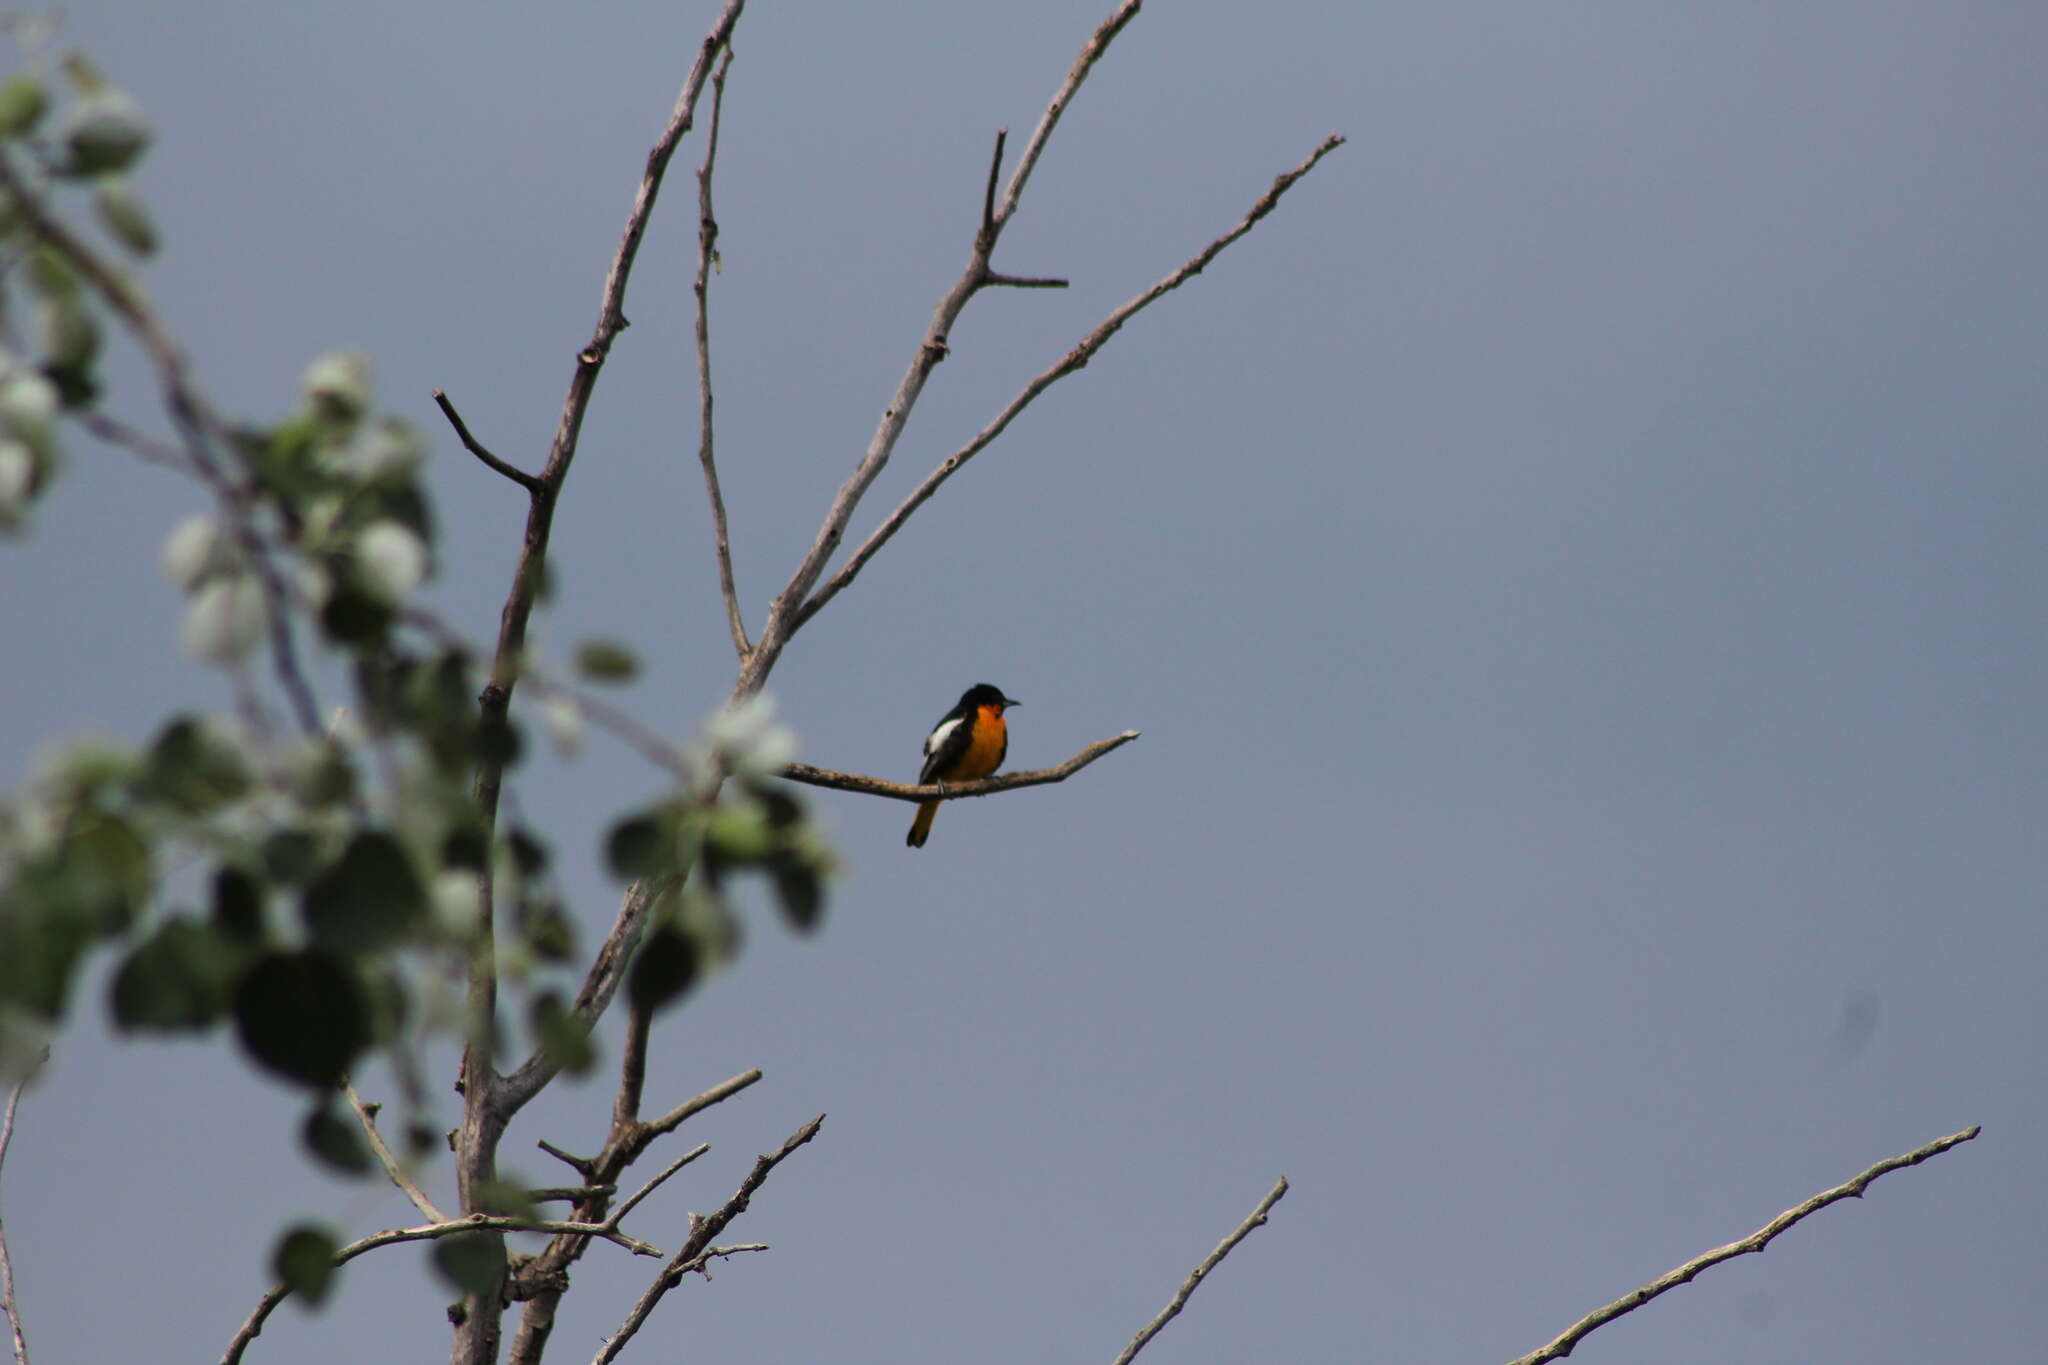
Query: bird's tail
{"type": "Point", "coordinates": [921, 827]}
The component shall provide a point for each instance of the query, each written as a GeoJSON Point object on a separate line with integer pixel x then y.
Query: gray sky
{"type": "Point", "coordinates": [1577, 567]}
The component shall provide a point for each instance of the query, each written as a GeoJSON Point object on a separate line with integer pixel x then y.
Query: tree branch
{"type": "Point", "coordinates": [1562, 1345]}
{"type": "Point", "coordinates": [987, 786]}
{"type": "Point", "coordinates": [487, 1106]}
{"type": "Point", "coordinates": [702, 1231]}
{"type": "Point", "coordinates": [8, 1304]}
{"type": "Point", "coordinates": [476, 447]}
{"type": "Point", "coordinates": [392, 1166]}
{"type": "Point", "coordinates": [707, 257]}
{"type": "Point", "coordinates": [1194, 1280]}
{"type": "Point", "coordinates": [1080, 355]}
{"type": "Point", "coordinates": [541, 1281]}
{"type": "Point", "coordinates": [786, 613]}
{"type": "Point", "coordinates": [252, 1327]}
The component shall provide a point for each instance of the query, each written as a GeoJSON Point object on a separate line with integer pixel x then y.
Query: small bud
{"type": "Point", "coordinates": [123, 216]}
{"type": "Point", "coordinates": [223, 621]}
{"type": "Point", "coordinates": [193, 549]}
{"type": "Point", "coordinates": [337, 384]}
{"type": "Point", "coordinates": [390, 561]}
{"type": "Point", "coordinates": [103, 133]}
{"type": "Point", "coordinates": [22, 102]}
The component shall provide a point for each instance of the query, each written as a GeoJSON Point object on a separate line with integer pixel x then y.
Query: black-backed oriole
{"type": "Point", "coordinates": [968, 743]}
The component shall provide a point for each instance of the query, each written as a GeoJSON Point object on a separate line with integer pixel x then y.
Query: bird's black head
{"type": "Point", "coordinates": [984, 694]}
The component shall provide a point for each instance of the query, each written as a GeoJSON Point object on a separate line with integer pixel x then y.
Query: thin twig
{"type": "Point", "coordinates": [987, 786]}
{"type": "Point", "coordinates": [1098, 44]}
{"type": "Point", "coordinates": [541, 1281]}
{"type": "Point", "coordinates": [786, 614]}
{"type": "Point", "coordinates": [137, 443]}
{"type": "Point", "coordinates": [651, 1186]}
{"type": "Point", "coordinates": [1562, 1345]}
{"type": "Point", "coordinates": [392, 1166]}
{"type": "Point", "coordinates": [8, 1303]}
{"type": "Point", "coordinates": [478, 449]}
{"type": "Point", "coordinates": [1194, 1280]}
{"type": "Point", "coordinates": [707, 256]}
{"type": "Point", "coordinates": [252, 1327]}
{"type": "Point", "coordinates": [558, 1194]}
{"type": "Point", "coordinates": [702, 1231]}
{"type": "Point", "coordinates": [719, 1093]}
{"type": "Point", "coordinates": [1080, 355]}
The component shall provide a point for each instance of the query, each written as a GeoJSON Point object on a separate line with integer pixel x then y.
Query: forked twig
{"type": "Point", "coordinates": [1082, 352]}
{"type": "Point", "coordinates": [698, 1248]}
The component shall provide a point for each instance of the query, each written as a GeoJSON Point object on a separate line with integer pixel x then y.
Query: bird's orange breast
{"type": "Point", "coordinates": [986, 744]}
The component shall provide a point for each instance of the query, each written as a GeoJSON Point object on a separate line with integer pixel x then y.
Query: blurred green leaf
{"type": "Point", "coordinates": [193, 768]}
{"type": "Point", "coordinates": [351, 616]}
{"type": "Point", "coordinates": [304, 1261]}
{"type": "Point", "coordinates": [471, 1261]}
{"type": "Point", "coordinates": [529, 854]}
{"type": "Point", "coordinates": [665, 970]}
{"type": "Point", "coordinates": [505, 1198]}
{"type": "Point", "coordinates": [368, 900]}
{"type": "Point", "coordinates": [800, 890]}
{"type": "Point", "coordinates": [180, 977]}
{"type": "Point", "coordinates": [22, 102]}
{"type": "Point", "coordinates": [122, 213]}
{"type": "Point", "coordinates": [641, 846]}
{"type": "Point", "coordinates": [303, 1015]}
{"type": "Point", "coordinates": [565, 1040]}
{"type": "Point", "coordinates": [41, 942]}
{"type": "Point", "coordinates": [290, 856]}
{"type": "Point", "coordinates": [237, 905]}
{"type": "Point", "coordinates": [336, 1142]}
{"type": "Point", "coordinates": [606, 661]}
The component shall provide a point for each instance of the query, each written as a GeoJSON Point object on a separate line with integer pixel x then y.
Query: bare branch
{"type": "Point", "coordinates": [651, 1186]}
{"type": "Point", "coordinates": [702, 1231]}
{"type": "Point", "coordinates": [558, 1194]}
{"type": "Point", "coordinates": [477, 448]}
{"type": "Point", "coordinates": [1562, 1345]}
{"type": "Point", "coordinates": [1194, 1280]}
{"type": "Point", "coordinates": [392, 1166]}
{"type": "Point", "coordinates": [1098, 43]}
{"type": "Point", "coordinates": [475, 1222]}
{"type": "Point", "coordinates": [707, 257]}
{"type": "Point", "coordinates": [541, 1281]}
{"type": "Point", "coordinates": [8, 1303]}
{"type": "Point", "coordinates": [491, 1099]}
{"type": "Point", "coordinates": [987, 786]}
{"type": "Point", "coordinates": [1080, 355]}
{"type": "Point", "coordinates": [719, 1093]}
{"type": "Point", "coordinates": [788, 611]}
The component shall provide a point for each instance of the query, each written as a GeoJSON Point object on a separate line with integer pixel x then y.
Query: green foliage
{"type": "Point", "coordinates": [304, 1014]}
{"type": "Point", "coordinates": [317, 875]}
{"type": "Point", "coordinates": [470, 1261]}
{"type": "Point", "coordinates": [304, 1261]}
{"type": "Point", "coordinates": [336, 1142]}
{"type": "Point", "coordinates": [606, 661]}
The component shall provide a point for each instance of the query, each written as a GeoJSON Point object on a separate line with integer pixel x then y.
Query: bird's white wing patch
{"type": "Point", "coordinates": [939, 736]}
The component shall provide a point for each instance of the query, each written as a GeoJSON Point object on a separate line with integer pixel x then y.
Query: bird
{"type": "Point", "coordinates": [968, 743]}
